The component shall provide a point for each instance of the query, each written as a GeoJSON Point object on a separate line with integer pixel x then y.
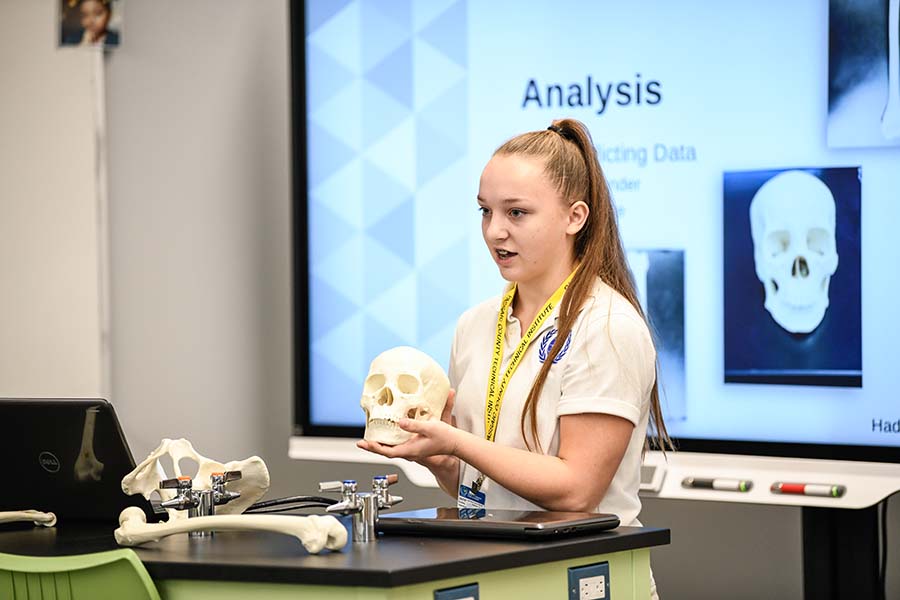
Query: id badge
{"type": "Point", "coordinates": [468, 498]}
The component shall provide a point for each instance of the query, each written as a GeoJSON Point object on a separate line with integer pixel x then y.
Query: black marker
{"type": "Point", "coordinates": [717, 483]}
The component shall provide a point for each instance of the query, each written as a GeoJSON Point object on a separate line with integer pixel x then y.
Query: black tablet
{"type": "Point", "coordinates": [510, 524]}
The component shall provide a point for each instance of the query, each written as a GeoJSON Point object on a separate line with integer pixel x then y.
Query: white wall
{"type": "Point", "coordinates": [49, 253]}
{"type": "Point", "coordinates": [198, 101]}
{"type": "Point", "coordinates": [199, 135]}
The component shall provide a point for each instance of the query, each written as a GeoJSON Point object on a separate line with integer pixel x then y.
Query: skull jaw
{"type": "Point", "coordinates": [797, 319]}
{"type": "Point", "coordinates": [385, 431]}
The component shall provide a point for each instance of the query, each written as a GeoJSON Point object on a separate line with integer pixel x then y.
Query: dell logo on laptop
{"type": "Point", "coordinates": [48, 462]}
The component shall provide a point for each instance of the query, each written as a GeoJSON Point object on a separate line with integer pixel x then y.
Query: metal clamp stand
{"type": "Point", "coordinates": [364, 506]}
{"type": "Point", "coordinates": [200, 503]}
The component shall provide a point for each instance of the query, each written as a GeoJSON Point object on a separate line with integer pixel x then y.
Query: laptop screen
{"type": "Point", "coordinates": [67, 457]}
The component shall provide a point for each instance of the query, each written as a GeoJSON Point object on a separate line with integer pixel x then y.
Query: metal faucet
{"type": "Point", "coordinates": [364, 506]}
{"type": "Point", "coordinates": [200, 503]}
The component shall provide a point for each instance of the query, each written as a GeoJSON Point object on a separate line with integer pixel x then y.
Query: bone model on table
{"type": "Point", "coordinates": [402, 382]}
{"type": "Point", "coordinates": [890, 119]}
{"type": "Point", "coordinates": [46, 519]}
{"type": "Point", "coordinates": [792, 222]}
{"type": "Point", "coordinates": [146, 477]}
{"type": "Point", "coordinates": [314, 532]}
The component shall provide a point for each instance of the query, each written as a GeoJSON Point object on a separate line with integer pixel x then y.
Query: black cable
{"type": "Point", "coordinates": [884, 547]}
{"type": "Point", "coordinates": [287, 508]}
{"type": "Point", "coordinates": [292, 500]}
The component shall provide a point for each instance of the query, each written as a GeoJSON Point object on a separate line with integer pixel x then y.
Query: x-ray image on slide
{"type": "Point", "coordinates": [659, 279]}
{"type": "Point", "coordinates": [792, 277]}
{"type": "Point", "coordinates": [864, 73]}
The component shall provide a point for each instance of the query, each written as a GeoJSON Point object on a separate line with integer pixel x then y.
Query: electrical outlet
{"type": "Point", "coordinates": [590, 582]}
{"type": "Point", "coordinates": [462, 592]}
{"type": "Point", "coordinates": [592, 588]}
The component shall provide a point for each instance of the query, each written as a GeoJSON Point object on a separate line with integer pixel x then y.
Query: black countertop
{"type": "Point", "coordinates": [274, 558]}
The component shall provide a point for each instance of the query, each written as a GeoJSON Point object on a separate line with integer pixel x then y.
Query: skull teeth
{"type": "Point", "coordinates": [383, 422]}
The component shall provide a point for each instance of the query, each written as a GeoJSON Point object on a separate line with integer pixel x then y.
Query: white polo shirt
{"type": "Point", "coordinates": [607, 366]}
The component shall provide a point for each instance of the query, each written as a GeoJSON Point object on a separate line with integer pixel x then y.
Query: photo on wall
{"type": "Point", "coordinates": [863, 73]}
{"type": "Point", "coordinates": [90, 23]}
{"type": "Point", "coordinates": [659, 279]}
{"type": "Point", "coordinates": [792, 300]}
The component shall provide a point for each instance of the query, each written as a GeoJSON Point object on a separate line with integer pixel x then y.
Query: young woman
{"type": "Point", "coordinates": [555, 380]}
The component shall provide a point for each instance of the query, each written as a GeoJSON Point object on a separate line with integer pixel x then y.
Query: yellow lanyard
{"type": "Point", "coordinates": [496, 389]}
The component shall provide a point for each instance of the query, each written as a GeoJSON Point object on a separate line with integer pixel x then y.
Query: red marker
{"type": "Point", "coordinates": [827, 490]}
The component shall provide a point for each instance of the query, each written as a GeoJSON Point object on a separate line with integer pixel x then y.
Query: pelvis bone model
{"type": "Point", "coordinates": [314, 532]}
{"type": "Point", "coordinates": [145, 478]}
{"type": "Point", "coordinates": [402, 382]}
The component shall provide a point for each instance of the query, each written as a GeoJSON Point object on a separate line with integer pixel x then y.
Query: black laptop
{"type": "Point", "coordinates": [510, 524]}
{"type": "Point", "coordinates": [67, 457]}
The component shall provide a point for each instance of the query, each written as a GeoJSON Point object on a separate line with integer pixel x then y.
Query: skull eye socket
{"type": "Point", "coordinates": [407, 384]}
{"type": "Point", "coordinates": [374, 382]}
{"type": "Point", "coordinates": [778, 242]}
{"type": "Point", "coordinates": [817, 240]}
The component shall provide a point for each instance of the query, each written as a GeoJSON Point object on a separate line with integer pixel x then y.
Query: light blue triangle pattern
{"type": "Point", "coordinates": [382, 113]}
{"type": "Point", "coordinates": [433, 73]}
{"type": "Point", "coordinates": [448, 272]}
{"type": "Point", "coordinates": [377, 180]}
{"type": "Point", "coordinates": [434, 152]}
{"type": "Point", "coordinates": [394, 75]}
{"type": "Point", "coordinates": [381, 33]}
{"type": "Point", "coordinates": [424, 12]}
{"type": "Point", "coordinates": [343, 347]}
{"type": "Point", "coordinates": [328, 308]}
{"type": "Point", "coordinates": [447, 33]}
{"type": "Point", "coordinates": [343, 269]}
{"type": "Point", "coordinates": [379, 339]}
{"type": "Point", "coordinates": [438, 309]}
{"type": "Point", "coordinates": [326, 76]}
{"type": "Point", "coordinates": [335, 395]}
{"type": "Point", "coordinates": [329, 155]}
{"type": "Point", "coordinates": [396, 309]}
{"type": "Point", "coordinates": [382, 268]}
{"type": "Point", "coordinates": [448, 113]}
{"type": "Point", "coordinates": [398, 11]}
{"type": "Point", "coordinates": [319, 12]}
{"type": "Point", "coordinates": [396, 233]}
{"type": "Point", "coordinates": [342, 193]}
{"type": "Point", "coordinates": [381, 194]}
{"type": "Point", "coordinates": [340, 37]}
{"type": "Point", "coordinates": [395, 153]}
{"type": "Point", "coordinates": [326, 232]}
{"type": "Point", "coordinates": [342, 116]}
{"type": "Point", "coordinates": [438, 345]}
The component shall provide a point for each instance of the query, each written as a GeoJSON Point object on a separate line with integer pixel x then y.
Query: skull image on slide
{"type": "Point", "coordinates": [792, 222]}
{"type": "Point", "coordinates": [402, 382]}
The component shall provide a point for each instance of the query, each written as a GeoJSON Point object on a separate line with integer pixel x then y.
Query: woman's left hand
{"type": "Point", "coordinates": [430, 438]}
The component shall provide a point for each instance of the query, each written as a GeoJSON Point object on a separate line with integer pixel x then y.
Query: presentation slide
{"type": "Point", "coordinates": [753, 155]}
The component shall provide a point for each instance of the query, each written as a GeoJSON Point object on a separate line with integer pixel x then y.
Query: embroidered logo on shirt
{"type": "Point", "coordinates": [547, 344]}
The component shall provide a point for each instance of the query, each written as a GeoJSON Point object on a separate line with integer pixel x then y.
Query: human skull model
{"type": "Point", "coordinates": [792, 221]}
{"type": "Point", "coordinates": [402, 382]}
